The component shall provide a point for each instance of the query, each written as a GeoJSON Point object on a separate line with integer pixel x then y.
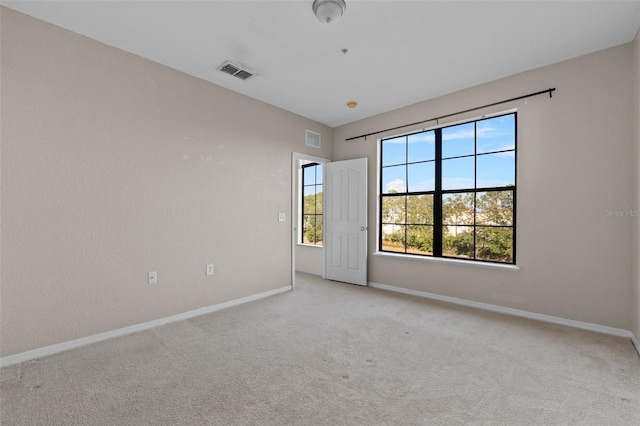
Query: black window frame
{"type": "Point", "coordinates": [438, 193]}
{"type": "Point", "coordinates": [303, 185]}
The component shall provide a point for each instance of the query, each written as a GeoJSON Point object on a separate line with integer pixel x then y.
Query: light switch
{"type": "Point", "coordinates": [282, 217]}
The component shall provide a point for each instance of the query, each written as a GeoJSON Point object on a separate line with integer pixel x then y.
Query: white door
{"type": "Point", "coordinates": [345, 221]}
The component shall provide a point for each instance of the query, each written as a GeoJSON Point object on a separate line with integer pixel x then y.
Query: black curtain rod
{"type": "Point", "coordinates": [542, 92]}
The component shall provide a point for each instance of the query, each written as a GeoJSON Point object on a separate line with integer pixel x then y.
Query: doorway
{"type": "Point", "coordinates": [307, 251]}
{"type": "Point", "coordinates": [342, 244]}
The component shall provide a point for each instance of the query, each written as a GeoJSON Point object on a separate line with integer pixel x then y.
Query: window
{"type": "Point", "coordinates": [311, 204]}
{"type": "Point", "coordinates": [450, 192]}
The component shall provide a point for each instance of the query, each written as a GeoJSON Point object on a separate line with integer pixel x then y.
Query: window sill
{"type": "Point", "coordinates": [486, 265]}
{"type": "Point", "coordinates": [308, 245]}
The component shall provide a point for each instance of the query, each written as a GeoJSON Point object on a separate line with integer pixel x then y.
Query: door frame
{"type": "Point", "coordinates": [296, 157]}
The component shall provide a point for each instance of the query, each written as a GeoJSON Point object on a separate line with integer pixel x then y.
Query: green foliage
{"type": "Point", "coordinates": [457, 209]}
{"type": "Point", "coordinates": [313, 230]}
{"type": "Point", "coordinates": [396, 238]}
{"type": "Point", "coordinates": [458, 245]}
{"type": "Point", "coordinates": [495, 208]}
{"type": "Point", "coordinates": [420, 209]}
{"type": "Point", "coordinates": [491, 212]}
{"type": "Point", "coordinates": [393, 209]}
{"type": "Point", "coordinates": [494, 244]}
{"type": "Point", "coordinates": [420, 238]}
{"type": "Point", "coordinates": [312, 219]}
{"type": "Point", "coordinates": [416, 211]}
{"type": "Point", "coordinates": [312, 204]}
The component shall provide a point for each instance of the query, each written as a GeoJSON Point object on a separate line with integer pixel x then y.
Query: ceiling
{"type": "Point", "coordinates": [399, 52]}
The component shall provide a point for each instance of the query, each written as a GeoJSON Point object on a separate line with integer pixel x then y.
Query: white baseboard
{"type": "Point", "coordinates": [72, 344]}
{"type": "Point", "coordinates": [514, 312]}
{"type": "Point", "coordinates": [635, 342]}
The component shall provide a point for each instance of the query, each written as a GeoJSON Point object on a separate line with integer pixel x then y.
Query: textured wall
{"type": "Point", "coordinates": [574, 162]}
{"type": "Point", "coordinates": [310, 260]}
{"type": "Point", "coordinates": [636, 247]}
{"type": "Point", "coordinates": [114, 166]}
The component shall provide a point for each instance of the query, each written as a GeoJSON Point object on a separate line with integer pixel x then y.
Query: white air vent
{"type": "Point", "coordinates": [235, 70]}
{"type": "Point", "coordinates": [312, 139]}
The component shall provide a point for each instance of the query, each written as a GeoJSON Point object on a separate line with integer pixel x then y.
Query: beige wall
{"type": "Point", "coordinates": [574, 162]}
{"type": "Point", "coordinates": [114, 166]}
{"type": "Point", "coordinates": [636, 191]}
{"type": "Point", "coordinates": [310, 260]}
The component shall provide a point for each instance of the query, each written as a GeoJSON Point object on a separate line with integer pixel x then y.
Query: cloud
{"type": "Point", "coordinates": [482, 131]}
{"type": "Point", "coordinates": [462, 134]}
{"type": "Point", "coordinates": [507, 154]}
{"type": "Point", "coordinates": [457, 183]}
{"type": "Point", "coordinates": [397, 185]}
{"type": "Point", "coordinates": [428, 137]}
{"type": "Point", "coordinates": [399, 140]}
{"type": "Point", "coordinates": [505, 151]}
{"type": "Point", "coordinates": [491, 137]}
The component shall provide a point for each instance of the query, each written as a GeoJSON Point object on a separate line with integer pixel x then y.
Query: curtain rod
{"type": "Point", "coordinates": [542, 92]}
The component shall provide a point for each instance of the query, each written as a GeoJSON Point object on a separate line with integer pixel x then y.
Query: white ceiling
{"type": "Point", "coordinates": [399, 52]}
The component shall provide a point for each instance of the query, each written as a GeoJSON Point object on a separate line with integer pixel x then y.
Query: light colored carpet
{"type": "Point", "coordinates": [335, 354]}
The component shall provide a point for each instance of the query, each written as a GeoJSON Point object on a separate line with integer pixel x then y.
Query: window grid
{"type": "Point", "coordinates": [487, 234]}
{"type": "Point", "coordinates": [312, 224]}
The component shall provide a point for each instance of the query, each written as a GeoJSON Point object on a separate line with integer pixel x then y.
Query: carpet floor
{"type": "Point", "coordinates": [334, 354]}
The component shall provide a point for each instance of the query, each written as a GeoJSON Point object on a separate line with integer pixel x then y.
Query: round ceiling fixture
{"type": "Point", "coordinates": [328, 11]}
{"type": "Point", "coordinates": [352, 104]}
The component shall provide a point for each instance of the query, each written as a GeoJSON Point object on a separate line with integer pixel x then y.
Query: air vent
{"type": "Point", "coordinates": [243, 75]}
{"type": "Point", "coordinates": [235, 70]}
{"type": "Point", "coordinates": [312, 139]}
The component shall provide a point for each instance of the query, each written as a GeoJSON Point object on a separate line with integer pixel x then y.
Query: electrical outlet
{"type": "Point", "coordinates": [153, 277]}
{"type": "Point", "coordinates": [210, 269]}
{"type": "Point", "coordinates": [282, 217]}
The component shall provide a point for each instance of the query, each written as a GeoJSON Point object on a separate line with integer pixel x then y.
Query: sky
{"type": "Point", "coordinates": [312, 180]}
{"type": "Point", "coordinates": [493, 168]}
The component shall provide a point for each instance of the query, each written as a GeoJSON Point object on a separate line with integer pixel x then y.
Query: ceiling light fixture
{"type": "Point", "coordinates": [328, 11]}
{"type": "Point", "coordinates": [352, 104]}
